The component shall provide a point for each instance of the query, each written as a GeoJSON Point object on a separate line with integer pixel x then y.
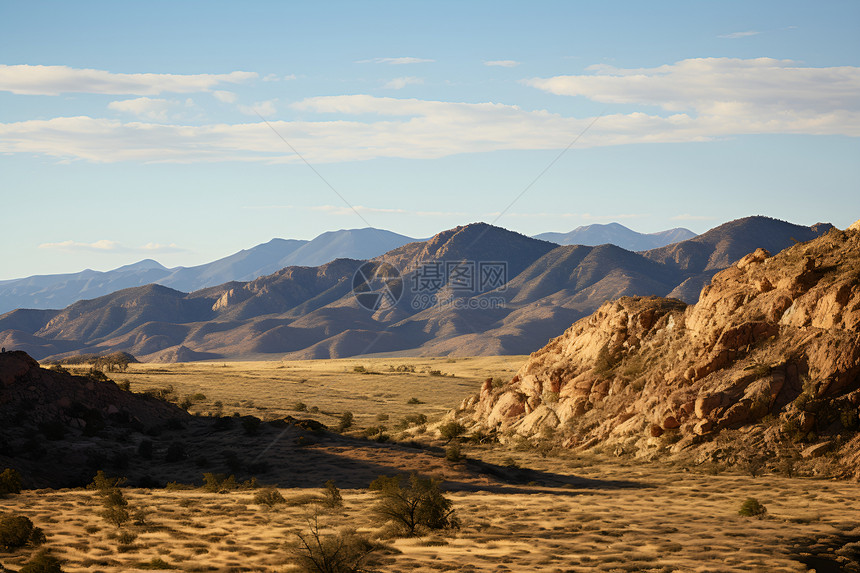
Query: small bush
{"type": "Point", "coordinates": [126, 537]}
{"type": "Point", "coordinates": [300, 407]}
{"type": "Point", "coordinates": [346, 421]}
{"type": "Point", "coordinates": [315, 552]}
{"type": "Point", "coordinates": [414, 401]}
{"type": "Point", "coordinates": [331, 496]}
{"type": "Point", "coordinates": [453, 452]}
{"type": "Point", "coordinates": [413, 506]}
{"type": "Point", "coordinates": [359, 369]}
{"type": "Point", "coordinates": [18, 531]}
{"type": "Point", "coordinates": [269, 497]}
{"type": "Point", "coordinates": [752, 508]}
{"type": "Point", "coordinates": [451, 430]}
{"type": "Point", "coordinates": [219, 483]}
{"type": "Point", "coordinates": [10, 481]}
{"type": "Point", "coordinates": [42, 562]}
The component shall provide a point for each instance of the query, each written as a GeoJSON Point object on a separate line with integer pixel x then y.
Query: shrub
{"type": "Point", "coordinates": [42, 562]}
{"type": "Point", "coordinates": [453, 452]}
{"type": "Point", "coordinates": [414, 506]}
{"type": "Point", "coordinates": [331, 496]}
{"type": "Point", "coordinates": [359, 369]}
{"type": "Point", "coordinates": [219, 483]}
{"type": "Point", "coordinates": [10, 481]}
{"type": "Point", "coordinates": [414, 401]}
{"type": "Point", "coordinates": [17, 531]}
{"type": "Point", "coordinates": [346, 421]}
{"type": "Point", "coordinates": [752, 508]}
{"type": "Point", "coordinates": [314, 552]}
{"type": "Point", "coordinates": [126, 537]}
{"type": "Point", "coordinates": [300, 407]}
{"type": "Point", "coordinates": [451, 430]}
{"type": "Point", "coordinates": [270, 497]}
{"type": "Point", "coordinates": [103, 484]}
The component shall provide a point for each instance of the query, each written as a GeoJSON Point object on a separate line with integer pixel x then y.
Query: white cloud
{"type": "Point", "coordinates": [106, 246]}
{"type": "Point", "coordinates": [703, 99]}
{"type": "Point", "coordinates": [400, 83]}
{"type": "Point", "coordinates": [396, 61]}
{"type": "Point", "coordinates": [55, 80]}
{"type": "Point", "coordinates": [225, 96]}
{"type": "Point", "coordinates": [502, 63]}
{"type": "Point", "coordinates": [265, 108]}
{"type": "Point", "coordinates": [735, 35]}
{"type": "Point", "coordinates": [776, 90]}
{"type": "Point", "coordinates": [154, 109]}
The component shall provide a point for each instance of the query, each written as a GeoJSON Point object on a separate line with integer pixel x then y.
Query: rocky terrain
{"type": "Point", "coordinates": [765, 365]}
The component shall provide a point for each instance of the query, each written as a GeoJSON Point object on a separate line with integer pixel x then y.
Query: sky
{"type": "Point", "coordinates": [186, 131]}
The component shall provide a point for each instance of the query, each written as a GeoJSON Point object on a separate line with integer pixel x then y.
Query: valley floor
{"type": "Point", "coordinates": [609, 516]}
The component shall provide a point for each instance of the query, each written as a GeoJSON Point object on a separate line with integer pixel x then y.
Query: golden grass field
{"type": "Point", "coordinates": [569, 512]}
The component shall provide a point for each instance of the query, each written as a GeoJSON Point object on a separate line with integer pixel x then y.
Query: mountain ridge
{"type": "Point", "coordinates": [303, 312]}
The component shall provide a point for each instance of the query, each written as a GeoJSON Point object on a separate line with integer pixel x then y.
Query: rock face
{"type": "Point", "coordinates": [772, 339]}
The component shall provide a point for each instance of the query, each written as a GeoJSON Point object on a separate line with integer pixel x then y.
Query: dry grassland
{"type": "Point", "coordinates": [555, 513]}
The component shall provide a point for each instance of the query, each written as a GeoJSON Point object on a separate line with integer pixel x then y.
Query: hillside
{"type": "Point", "coordinates": [310, 312]}
{"type": "Point", "coordinates": [768, 362]}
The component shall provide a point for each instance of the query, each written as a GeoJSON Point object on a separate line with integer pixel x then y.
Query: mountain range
{"type": "Point", "coordinates": [618, 235]}
{"type": "Point", "coordinates": [310, 312]}
{"type": "Point", "coordinates": [60, 290]}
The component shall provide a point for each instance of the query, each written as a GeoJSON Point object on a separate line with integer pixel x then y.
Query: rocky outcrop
{"type": "Point", "coordinates": [774, 342]}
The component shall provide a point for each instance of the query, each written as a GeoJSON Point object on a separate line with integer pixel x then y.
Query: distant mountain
{"type": "Point", "coordinates": [59, 291]}
{"type": "Point", "coordinates": [618, 235]}
{"type": "Point", "coordinates": [310, 312]}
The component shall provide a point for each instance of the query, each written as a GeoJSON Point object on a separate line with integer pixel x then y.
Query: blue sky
{"type": "Point", "coordinates": [133, 130]}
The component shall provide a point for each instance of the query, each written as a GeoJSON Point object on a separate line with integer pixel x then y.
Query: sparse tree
{"type": "Point", "coordinates": [414, 506]}
{"type": "Point", "coordinates": [332, 497]}
{"type": "Point", "coordinates": [10, 482]}
{"type": "Point", "coordinates": [316, 552]}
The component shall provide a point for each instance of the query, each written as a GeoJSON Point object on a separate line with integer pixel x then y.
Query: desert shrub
{"type": "Point", "coordinates": [346, 421]}
{"type": "Point", "coordinates": [413, 506]}
{"type": "Point", "coordinates": [314, 410]}
{"type": "Point", "coordinates": [414, 400]}
{"type": "Point", "coordinates": [185, 403]}
{"type": "Point", "coordinates": [219, 483]}
{"type": "Point", "coordinates": [605, 360]}
{"type": "Point", "coordinates": [497, 382]}
{"type": "Point", "coordinates": [751, 464]}
{"type": "Point", "coordinates": [752, 508]}
{"type": "Point", "coordinates": [331, 495]}
{"type": "Point", "coordinates": [300, 407]}
{"type": "Point", "coordinates": [10, 481]}
{"type": "Point", "coordinates": [156, 563]}
{"type": "Point", "coordinates": [453, 452]}
{"type": "Point", "coordinates": [126, 537]}
{"type": "Point", "coordinates": [18, 531]}
{"type": "Point", "coordinates": [451, 430]}
{"type": "Point", "coordinates": [359, 369]}
{"type": "Point", "coordinates": [316, 552]}
{"type": "Point", "coordinates": [269, 496]}
{"type": "Point", "coordinates": [435, 373]}
{"type": "Point", "coordinates": [411, 420]}
{"type": "Point", "coordinates": [103, 484]}
{"type": "Point", "coordinates": [42, 562]}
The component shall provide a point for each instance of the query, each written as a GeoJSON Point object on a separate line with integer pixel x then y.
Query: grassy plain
{"type": "Point", "coordinates": [521, 509]}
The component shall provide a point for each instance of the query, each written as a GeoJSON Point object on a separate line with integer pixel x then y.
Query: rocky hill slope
{"type": "Point", "coordinates": [767, 361]}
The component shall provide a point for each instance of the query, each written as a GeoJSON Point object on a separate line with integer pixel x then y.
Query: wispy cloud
{"type": "Point", "coordinates": [701, 100]}
{"type": "Point", "coordinates": [735, 35]}
{"type": "Point", "coordinates": [400, 83]}
{"type": "Point", "coordinates": [55, 80]}
{"type": "Point", "coordinates": [225, 96]}
{"type": "Point", "coordinates": [106, 246]}
{"type": "Point", "coordinates": [154, 109]}
{"type": "Point", "coordinates": [503, 63]}
{"type": "Point", "coordinates": [277, 78]}
{"type": "Point", "coordinates": [396, 61]}
{"type": "Point", "coordinates": [266, 108]}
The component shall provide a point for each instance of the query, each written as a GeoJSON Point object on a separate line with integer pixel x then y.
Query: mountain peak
{"type": "Point", "coordinates": [144, 265]}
